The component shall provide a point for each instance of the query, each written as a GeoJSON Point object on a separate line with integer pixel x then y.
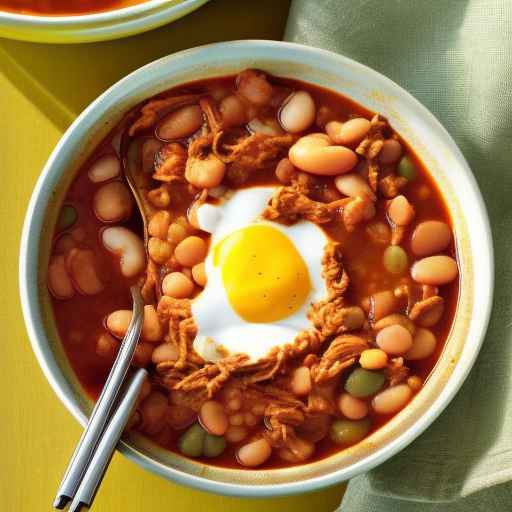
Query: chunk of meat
{"type": "Point", "coordinates": [160, 197]}
{"type": "Point", "coordinates": [151, 289]}
{"type": "Point", "coordinates": [341, 353]}
{"type": "Point", "coordinates": [281, 419]}
{"type": "Point", "coordinates": [264, 369]}
{"type": "Point", "coordinates": [170, 163]}
{"type": "Point", "coordinates": [321, 400]}
{"type": "Point", "coordinates": [290, 205]}
{"type": "Point", "coordinates": [427, 312]}
{"type": "Point", "coordinates": [391, 185]}
{"type": "Point", "coordinates": [357, 211]}
{"type": "Point", "coordinates": [334, 274]}
{"type": "Point", "coordinates": [395, 371]}
{"type": "Point", "coordinates": [331, 317]}
{"type": "Point", "coordinates": [371, 145]}
{"type": "Point", "coordinates": [211, 377]}
{"type": "Point", "coordinates": [212, 114]}
{"type": "Point", "coordinates": [248, 154]}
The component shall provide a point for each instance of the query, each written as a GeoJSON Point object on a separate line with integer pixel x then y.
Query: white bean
{"type": "Point", "coordinates": [81, 266]}
{"type": "Point", "coordinates": [435, 270]}
{"type": "Point", "coordinates": [301, 381]}
{"type": "Point", "coordinates": [298, 112]}
{"type": "Point", "coordinates": [213, 418]}
{"type": "Point", "coordinates": [128, 246]}
{"type": "Point", "coordinates": [164, 352]}
{"type": "Point", "coordinates": [316, 154]}
{"type": "Point", "coordinates": [104, 168]}
{"type": "Point", "coordinates": [113, 202]}
{"type": "Point", "coordinates": [423, 345]}
{"type": "Point", "coordinates": [266, 127]}
{"type": "Point", "coordinates": [351, 407]}
{"type": "Point", "coordinates": [255, 453]}
{"type": "Point", "coordinates": [352, 185]}
{"type": "Point", "coordinates": [430, 237]}
{"type": "Point", "coordinates": [235, 434]}
{"type": "Point", "coordinates": [392, 399]}
{"type": "Point", "coordinates": [181, 123]}
{"type": "Point", "coordinates": [59, 282]}
{"type": "Point", "coordinates": [349, 133]}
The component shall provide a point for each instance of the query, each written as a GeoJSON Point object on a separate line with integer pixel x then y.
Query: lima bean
{"type": "Point", "coordinates": [349, 431]}
{"type": "Point", "coordinates": [362, 383]}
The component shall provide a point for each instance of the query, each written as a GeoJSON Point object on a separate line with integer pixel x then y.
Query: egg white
{"type": "Point", "coordinates": [221, 331]}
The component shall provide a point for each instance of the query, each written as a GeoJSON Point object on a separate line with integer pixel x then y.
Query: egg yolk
{"type": "Point", "coordinates": [264, 275]}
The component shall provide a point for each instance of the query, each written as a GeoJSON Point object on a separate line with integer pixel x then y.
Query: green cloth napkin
{"type": "Point", "coordinates": [455, 56]}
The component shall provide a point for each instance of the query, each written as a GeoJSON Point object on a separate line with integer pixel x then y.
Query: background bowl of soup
{"type": "Point", "coordinates": [416, 126]}
{"type": "Point", "coordinates": [76, 21]}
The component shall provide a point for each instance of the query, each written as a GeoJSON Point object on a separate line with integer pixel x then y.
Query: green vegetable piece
{"type": "Point", "coordinates": [407, 169]}
{"type": "Point", "coordinates": [191, 442]}
{"type": "Point", "coordinates": [213, 445]}
{"type": "Point", "coordinates": [395, 260]}
{"type": "Point", "coordinates": [362, 383]}
{"type": "Point", "coordinates": [67, 218]}
{"type": "Point", "coordinates": [349, 431]}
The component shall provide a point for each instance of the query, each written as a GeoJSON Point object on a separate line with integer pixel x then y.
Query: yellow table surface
{"type": "Point", "coordinates": [42, 89]}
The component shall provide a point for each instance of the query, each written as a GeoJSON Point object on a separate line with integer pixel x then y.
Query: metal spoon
{"type": "Point", "coordinates": [139, 183]}
{"type": "Point", "coordinates": [101, 412]}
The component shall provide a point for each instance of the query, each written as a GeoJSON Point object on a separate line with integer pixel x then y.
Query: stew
{"type": "Point", "coordinates": [300, 274]}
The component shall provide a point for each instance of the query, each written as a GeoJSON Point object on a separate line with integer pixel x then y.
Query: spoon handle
{"type": "Point", "coordinates": [100, 414]}
{"type": "Point", "coordinates": [105, 448]}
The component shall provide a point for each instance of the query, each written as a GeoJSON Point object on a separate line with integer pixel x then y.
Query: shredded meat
{"type": "Point", "coordinates": [154, 109]}
{"type": "Point", "coordinates": [170, 163]}
{"type": "Point", "coordinates": [390, 185]}
{"type": "Point", "coordinates": [428, 311]}
{"type": "Point", "coordinates": [356, 211]}
{"type": "Point", "coordinates": [396, 371]}
{"type": "Point", "coordinates": [248, 154]}
{"type": "Point", "coordinates": [336, 278]}
{"type": "Point", "coordinates": [341, 353]}
{"type": "Point", "coordinates": [282, 413]}
{"type": "Point", "coordinates": [290, 205]}
{"type": "Point", "coordinates": [182, 328]}
{"type": "Point", "coordinates": [212, 114]}
{"type": "Point", "coordinates": [371, 145]}
{"type": "Point", "coordinates": [169, 308]}
{"type": "Point", "coordinates": [211, 377]}
{"type": "Point", "coordinates": [331, 317]}
{"type": "Point", "coordinates": [151, 288]}
{"type": "Point", "coordinates": [322, 396]}
{"type": "Point", "coordinates": [265, 369]}
{"type": "Point", "coordinates": [373, 175]}
{"type": "Point", "coordinates": [160, 197]}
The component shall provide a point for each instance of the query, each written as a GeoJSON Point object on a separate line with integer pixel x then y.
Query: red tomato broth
{"type": "Point", "coordinates": [64, 7]}
{"type": "Point", "coordinates": [92, 371]}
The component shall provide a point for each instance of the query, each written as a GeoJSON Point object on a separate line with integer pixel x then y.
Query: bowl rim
{"type": "Point", "coordinates": [102, 17]}
{"type": "Point", "coordinates": [29, 297]}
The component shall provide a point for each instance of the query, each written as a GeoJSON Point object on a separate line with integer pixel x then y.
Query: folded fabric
{"type": "Point", "coordinates": [456, 58]}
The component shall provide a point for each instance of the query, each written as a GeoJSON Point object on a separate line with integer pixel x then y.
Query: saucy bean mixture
{"type": "Point", "coordinates": [388, 269]}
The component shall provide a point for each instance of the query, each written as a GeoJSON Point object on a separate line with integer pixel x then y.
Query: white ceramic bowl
{"type": "Point", "coordinates": [95, 27]}
{"type": "Point", "coordinates": [428, 138]}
